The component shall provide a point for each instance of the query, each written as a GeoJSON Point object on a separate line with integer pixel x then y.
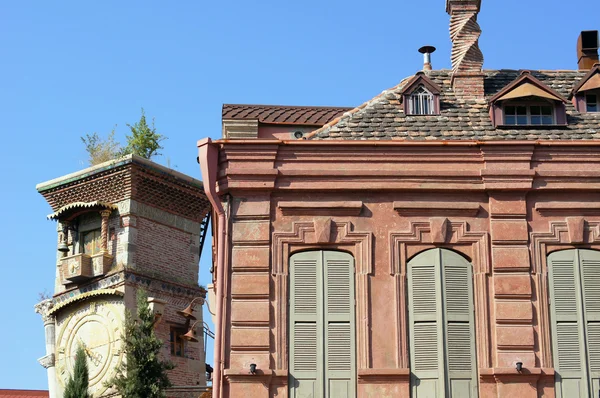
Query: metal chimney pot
{"type": "Point", "coordinates": [427, 51]}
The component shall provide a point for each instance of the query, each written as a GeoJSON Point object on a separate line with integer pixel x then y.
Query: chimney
{"type": "Point", "coordinates": [427, 51]}
{"type": "Point", "coordinates": [467, 59]}
{"type": "Point", "coordinates": [587, 49]}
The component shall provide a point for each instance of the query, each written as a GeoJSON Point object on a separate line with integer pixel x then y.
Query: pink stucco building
{"type": "Point", "coordinates": [440, 240]}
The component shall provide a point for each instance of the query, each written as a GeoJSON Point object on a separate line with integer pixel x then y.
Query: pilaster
{"type": "Point", "coordinates": [249, 335]}
{"type": "Point", "coordinates": [44, 309]}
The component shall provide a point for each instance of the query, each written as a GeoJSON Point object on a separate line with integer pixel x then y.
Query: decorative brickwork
{"type": "Point", "coordinates": [464, 33]}
{"type": "Point", "coordinates": [130, 178]}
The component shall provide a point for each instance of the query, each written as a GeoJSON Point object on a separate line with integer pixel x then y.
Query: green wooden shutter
{"type": "Point", "coordinates": [589, 261]}
{"type": "Point", "coordinates": [567, 328]}
{"type": "Point", "coordinates": [340, 363]}
{"type": "Point", "coordinates": [305, 313]}
{"type": "Point", "coordinates": [426, 354]}
{"type": "Point", "coordinates": [461, 362]}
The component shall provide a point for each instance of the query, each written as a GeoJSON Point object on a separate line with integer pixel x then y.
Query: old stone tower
{"type": "Point", "coordinates": [124, 225]}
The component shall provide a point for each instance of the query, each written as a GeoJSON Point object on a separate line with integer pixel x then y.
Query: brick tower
{"type": "Point", "coordinates": [124, 225]}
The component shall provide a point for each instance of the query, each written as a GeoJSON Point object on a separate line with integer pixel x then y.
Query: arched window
{"type": "Point", "coordinates": [442, 325]}
{"type": "Point", "coordinates": [574, 282]}
{"type": "Point", "coordinates": [421, 102]}
{"type": "Point", "coordinates": [321, 325]}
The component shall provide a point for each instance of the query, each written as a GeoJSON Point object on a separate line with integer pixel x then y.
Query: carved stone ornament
{"type": "Point", "coordinates": [47, 361]}
{"type": "Point", "coordinates": [43, 308]}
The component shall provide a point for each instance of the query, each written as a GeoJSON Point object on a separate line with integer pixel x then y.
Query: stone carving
{"type": "Point", "coordinates": [322, 229]}
{"type": "Point", "coordinates": [47, 361]}
{"type": "Point", "coordinates": [43, 308]}
{"type": "Point", "coordinates": [439, 229]}
{"type": "Point", "coordinates": [575, 226]}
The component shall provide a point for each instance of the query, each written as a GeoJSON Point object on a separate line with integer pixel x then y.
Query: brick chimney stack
{"type": "Point", "coordinates": [467, 59]}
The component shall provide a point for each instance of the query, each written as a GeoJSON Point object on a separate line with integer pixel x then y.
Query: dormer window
{"type": "Point", "coordinates": [586, 94]}
{"type": "Point", "coordinates": [591, 103]}
{"type": "Point", "coordinates": [528, 102]}
{"type": "Point", "coordinates": [421, 96]}
{"type": "Point", "coordinates": [526, 114]}
{"type": "Point", "coordinates": [421, 102]}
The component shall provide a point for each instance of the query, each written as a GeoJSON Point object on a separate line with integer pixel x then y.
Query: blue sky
{"type": "Point", "coordinates": [74, 67]}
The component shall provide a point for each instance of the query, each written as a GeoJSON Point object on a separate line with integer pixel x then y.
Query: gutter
{"type": "Point", "coordinates": [208, 157]}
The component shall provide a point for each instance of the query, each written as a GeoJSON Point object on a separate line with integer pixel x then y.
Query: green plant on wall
{"type": "Point", "coordinates": [144, 374]}
{"type": "Point", "coordinates": [77, 385]}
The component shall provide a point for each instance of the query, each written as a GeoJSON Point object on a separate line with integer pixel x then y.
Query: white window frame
{"type": "Point", "coordinates": [419, 100]}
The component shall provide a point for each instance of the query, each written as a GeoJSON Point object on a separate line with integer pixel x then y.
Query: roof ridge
{"type": "Point", "coordinates": [289, 106]}
{"type": "Point", "coordinates": [359, 108]}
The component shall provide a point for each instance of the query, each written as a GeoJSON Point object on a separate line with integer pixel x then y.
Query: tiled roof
{"type": "Point", "coordinates": [23, 393]}
{"type": "Point", "coordinates": [278, 114]}
{"type": "Point", "coordinates": [383, 118]}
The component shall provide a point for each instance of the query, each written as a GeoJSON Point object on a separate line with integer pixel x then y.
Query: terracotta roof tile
{"type": "Point", "coordinates": [278, 114]}
{"type": "Point", "coordinates": [382, 118]}
{"type": "Point", "coordinates": [23, 393]}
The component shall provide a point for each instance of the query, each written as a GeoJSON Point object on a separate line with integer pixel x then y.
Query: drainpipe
{"type": "Point", "coordinates": [209, 162]}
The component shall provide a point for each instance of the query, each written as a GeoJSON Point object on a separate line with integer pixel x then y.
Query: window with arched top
{"type": "Point", "coordinates": [442, 325]}
{"type": "Point", "coordinates": [421, 96]}
{"type": "Point", "coordinates": [574, 281]}
{"type": "Point", "coordinates": [322, 354]}
{"type": "Point", "coordinates": [421, 102]}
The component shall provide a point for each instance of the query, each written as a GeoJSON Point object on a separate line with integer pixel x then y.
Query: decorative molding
{"type": "Point", "coordinates": [370, 376]}
{"type": "Point", "coordinates": [428, 208]}
{"type": "Point", "coordinates": [421, 234]}
{"type": "Point", "coordinates": [83, 296]}
{"type": "Point", "coordinates": [508, 179]}
{"type": "Point", "coordinates": [542, 243]}
{"type": "Point", "coordinates": [575, 208]}
{"type": "Point", "coordinates": [47, 361]}
{"type": "Point", "coordinates": [302, 237]}
{"type": "Point", "coordinates": [342, 208]}
{"type": "Point", "coordinates": [511, 375]}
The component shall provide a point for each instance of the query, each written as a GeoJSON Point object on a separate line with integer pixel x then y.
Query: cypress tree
{"type": "Point", "coordinates": [77, 385]}
{"type": "Point", "coordinates": [143, 374]}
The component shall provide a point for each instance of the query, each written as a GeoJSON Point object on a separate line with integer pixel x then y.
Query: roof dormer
{"type": "Point", "coordinates": [527, 102]}
{"type": "Point", "coordinates": [586, 94]}
{"type": "Point", "coordinates": [421, 96]}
